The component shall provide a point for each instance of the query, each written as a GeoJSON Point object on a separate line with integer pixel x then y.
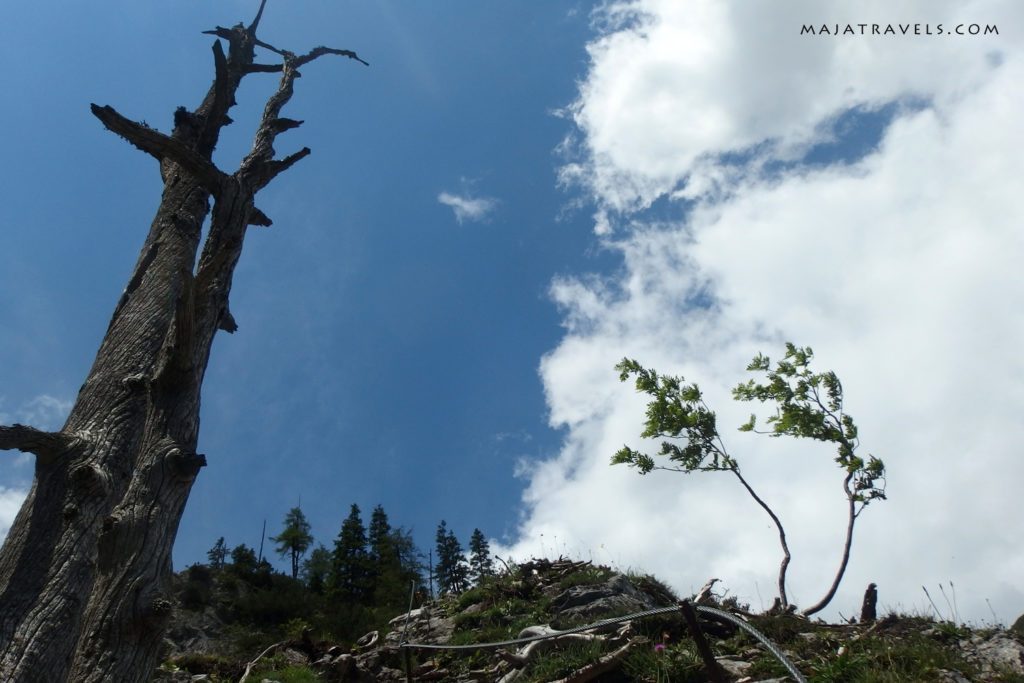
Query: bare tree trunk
{"type": "Point", "coordinates": [84, 569]}
{"type": "Point", "coordinates": [786, 557]}
{"type": "Point", "coordinates": [850, 520]}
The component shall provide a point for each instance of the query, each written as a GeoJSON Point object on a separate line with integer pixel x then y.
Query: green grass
{"type": "Point", "coordinates": [900, 649]}
{"type": "Point", "coordinates": [589, 576]}
{"type": "Point", "coordinates": [678, 662]}
{"type": "Point", "coordinates": [472, 597]}
{"type": "Point", "coordinates": [216, 667]}
{"type": "Point", "coordinates": [291, 674]}
{"type": "Point", "coordinates": [561, 661]}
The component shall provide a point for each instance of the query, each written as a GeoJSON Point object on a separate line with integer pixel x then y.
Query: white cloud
{"type": "Point", "coordinates": [468, 208]}
{"type": "Point", "coordinates": [42, 412]}
{"type": "Point", "coordinates": [900, 270]}
{"type": "Point", "coordinates": [10, 503]}
{"type": "Point", "coordinates": [45, 412]}
{"type": "Point", "coordinates": [681, 83]}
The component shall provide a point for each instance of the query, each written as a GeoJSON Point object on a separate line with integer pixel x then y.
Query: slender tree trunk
{"type": "Point", "coordinates": [850, 520]}
{"type": "Point", "coordinates": [84, 569]}
{"type": "Point", "coordinates": [784, 565]}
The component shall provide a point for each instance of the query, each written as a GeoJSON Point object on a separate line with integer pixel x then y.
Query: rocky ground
{"type": "Point", "coordinates": [543, 596]}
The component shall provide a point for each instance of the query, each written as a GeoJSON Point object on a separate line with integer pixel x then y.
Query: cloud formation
{"type": "Point", "coordinates": [42, 412]}
{"type": "Point", "coordinates": [10, 503]}
{"type": "Point", "coordinates": [674, 88]}
{"type": "Point", "coordinates": [468, 208]}
{"type": "Point", "coordinates": [899, 269]}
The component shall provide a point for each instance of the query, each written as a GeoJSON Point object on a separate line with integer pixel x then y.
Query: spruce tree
{"type": "Point", "coordinates": [217, 553]}
{"type": "Point", "coordinates": [379, 540]}
{"type": "Point", "coordinates": [452, 572]}
{"type": "Point", "coordinates": [295, 540]}
{"type": "Point", "coordinates": [316, 569]}
{"type": "Point", "coordinates": [243, 560]}
{"type": "Point", "coordinates": [394, 561]}
{"type": "Point", "coordinates": [409, 557]}
{"type": "Point", "coordinates": [480, 563]}
{"type": "Point", "coordinates": [349, 580]}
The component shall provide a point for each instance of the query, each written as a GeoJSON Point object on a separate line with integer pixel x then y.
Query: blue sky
{"type": "Point", "coordinates": [388, 346]}
{"type": "Point", "coordinates": [512, 197]}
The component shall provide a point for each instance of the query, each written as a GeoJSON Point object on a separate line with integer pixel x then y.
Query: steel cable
{"type": "Point", "coordinates": [772, 647]}
{"type": "Point", "coordinates": [545, 636]}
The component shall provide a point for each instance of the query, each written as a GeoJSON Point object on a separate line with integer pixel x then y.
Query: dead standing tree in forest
{"type": "Point", "coordinates": [85, 568]}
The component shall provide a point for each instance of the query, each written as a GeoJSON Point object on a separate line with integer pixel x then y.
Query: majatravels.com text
{"type": "Point", "coordinates": [898, 29]}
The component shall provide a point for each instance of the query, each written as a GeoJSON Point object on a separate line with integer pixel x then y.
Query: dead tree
{"type": "Point", "coordinates": [85, 568]}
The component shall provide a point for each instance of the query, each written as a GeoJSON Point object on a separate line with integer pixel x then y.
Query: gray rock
{"type": "Point", "coordinates": [424, 627]}
{"type": "Point", "coordinates": [733, 667]}
{"type": "Point", "coordinates": [294, 657]}
{"type": "Point", "coordinates": [615, 596]}
{"type": "Point", "coordinates": [193, 632]}
{"type": "Point", "coordinates": [947, 676]}
{"type": "Point", "coordinates": [1001, 652]}
{"type": "Point", "coordinates": [165, 676]}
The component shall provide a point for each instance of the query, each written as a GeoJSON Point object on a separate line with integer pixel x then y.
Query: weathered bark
{"type": "Point", "coordinates": [84, 571]}
{"type": "Point", "coordinates": [869, 607]}
{"type": "Point", "coordinates": [715, 672]}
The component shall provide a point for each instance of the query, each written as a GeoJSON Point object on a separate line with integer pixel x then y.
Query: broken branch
{"type": "Point", "coordinates": [160, 146]}
{"type": "Point", "coordinates": [602, 665]}
{"type": "Point", "coordinates": [270, 169]}
{"type": "Point", "coordinates": [257, 217]}
{"type": "Point", "coordinates": [320, 51]}
{"type": "Point", "coordinates": [263, 68]}
{"type": "Point", "coordinates": [31, 440]}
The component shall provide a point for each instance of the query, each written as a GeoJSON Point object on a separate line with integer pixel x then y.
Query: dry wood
{"type": "Point", "coordinates": [85, 568]}
{"type": "Point", "coordinates": [266, 653]}
{"type": "Point", "coordinates": [602, 665]}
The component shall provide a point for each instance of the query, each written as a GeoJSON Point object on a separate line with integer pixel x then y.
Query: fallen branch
{"type": "Point", "coordinates": [705, 593]}
{"type": "Point", "coordinates": [530, 651]}
{"type": "Point", "coordinates": [522, 658]}
{"type": "Point", "coordinates": [253, 663]}
{"type": "Point", "coordinates": [601, 666]}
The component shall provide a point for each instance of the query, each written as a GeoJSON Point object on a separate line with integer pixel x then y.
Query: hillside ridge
{"type": "Point", "coordinates": [215, 636]}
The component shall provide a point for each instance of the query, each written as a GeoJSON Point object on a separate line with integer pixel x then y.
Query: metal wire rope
{"type": "Point", "coordinates": [545, 636]}
{"type": "Point", "coordinates": [774, 649]}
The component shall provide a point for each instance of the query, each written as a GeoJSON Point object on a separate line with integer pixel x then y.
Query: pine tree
{"type": "Point", "coordinates": [349, 577]}
{"type": "Point", "coordinates": [316, 569]}
{"type": "Point", "coordinates": [243, 560]}
{"type": "Point", "coordinates": [383, 564]}
{"type": "Point", "coordinates": [480, 563]}
{"type": "Point", "coordinates": [393, 561]}
{"type": "Point", "coordinates": [295, 540]}
{"type": "Point", "coordinates": [381, 550]}
{"type": "Point", "coordinates": [217, 553]}
{"type": "Point", "coordinates": [452, 571]}
{"type": "Point", "coordinates": [409, 557]}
